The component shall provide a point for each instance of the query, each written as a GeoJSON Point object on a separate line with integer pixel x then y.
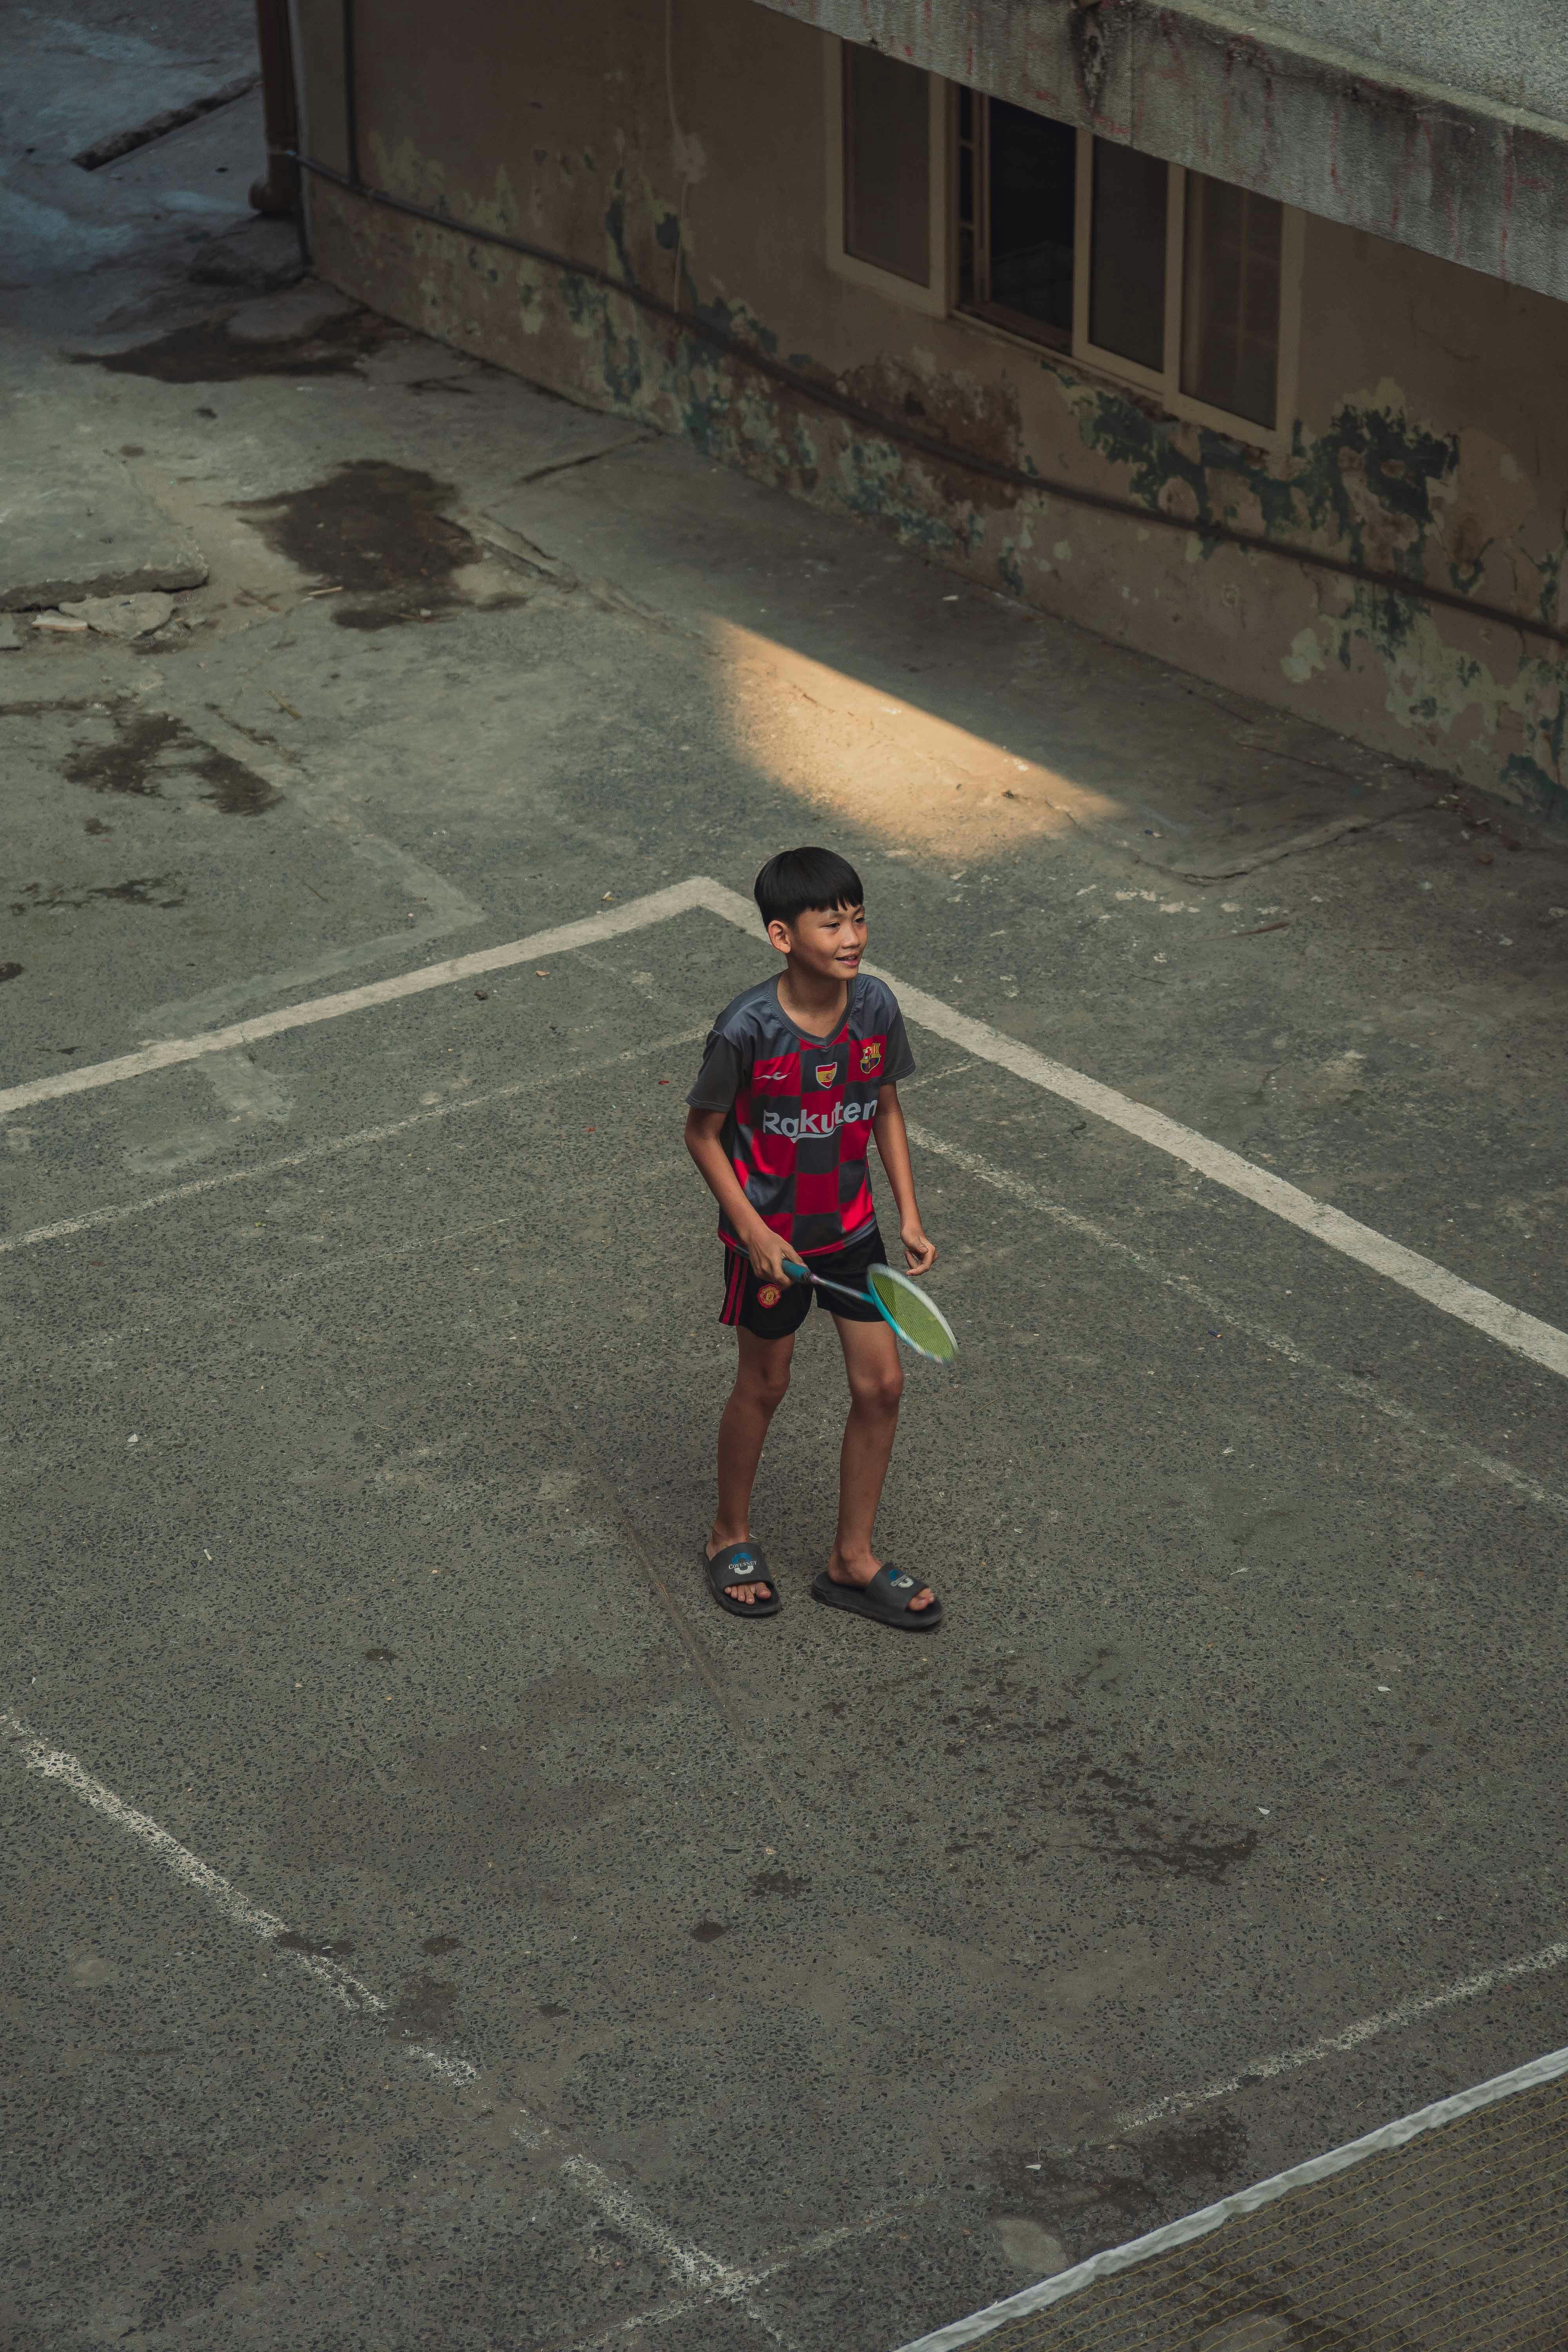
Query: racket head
{"type": "Point", "coordinates": [914, 1315]}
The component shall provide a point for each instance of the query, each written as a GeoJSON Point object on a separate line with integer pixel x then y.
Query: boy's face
{"type": "Point", "coordinates": [828, 942]}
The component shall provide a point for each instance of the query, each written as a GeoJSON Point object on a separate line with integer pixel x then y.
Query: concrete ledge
{"type": "Point", "coordinates": [76, 525]}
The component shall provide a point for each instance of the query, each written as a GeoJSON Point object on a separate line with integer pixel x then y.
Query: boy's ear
{"type": "Point", "coordinates": [779, 933]}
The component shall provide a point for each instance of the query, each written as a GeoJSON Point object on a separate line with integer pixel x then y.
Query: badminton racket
{"type": "Point", "coordinates": [900, 1301]}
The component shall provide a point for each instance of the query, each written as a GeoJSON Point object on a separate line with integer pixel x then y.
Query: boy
{"type": "Point", "coordinates": [797, 1074]}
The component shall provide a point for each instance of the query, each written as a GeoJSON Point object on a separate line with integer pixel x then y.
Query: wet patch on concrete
{"type": "Point", "coordinates": [426, 2009]}
{"type": "Point", "coordinates": [375, 531]}
{"type": "Point", "coordinates": [12, 970]}
{"type": "Point", "coordinates": [150, 748]}
{"type": "Point", "coordinates": [1083, 1793]}
{"type": "Point", "coordinates": [1126, 1821]}
{"type": "Point", "coordinates": [777, 1881]}
{"type": "Point", "coordinates": [435, 1947]}
{"type": "Point", "coordinates": [1094, 2195]}
{"type": "Point", "coordinates": [708, 1931]}
{"type": "Point", "coordinates": [140, 890]}
{"type": "Point", "coordinates": [208, 353]}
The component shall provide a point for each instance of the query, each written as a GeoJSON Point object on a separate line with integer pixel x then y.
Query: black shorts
{"type": "Point", "coordinates": [772, 1313]}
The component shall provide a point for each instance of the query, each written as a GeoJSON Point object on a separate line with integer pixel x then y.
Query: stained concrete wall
{"type": "Point", "coordinates": [1430, 437]}
{"type": "Point", "coordinates": [1439, 126]}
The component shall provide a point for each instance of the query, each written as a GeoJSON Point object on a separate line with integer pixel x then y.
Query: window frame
{"type": "Point", "coordinates": [1165, 382]}
{"type": "Point", "coordinates": [933, 299]}
{"type": "Point", "coordinates": [996, 318]}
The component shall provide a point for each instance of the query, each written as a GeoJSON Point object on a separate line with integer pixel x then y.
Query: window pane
{"type": "Point", "coordinates": [1127, 260]}
{"type": "Point", "coordinates": [1032, 186]}
{"type": "Point", "coordinates": [886, 164]}
{"type": "Point", "coordinates": [1230, 331]}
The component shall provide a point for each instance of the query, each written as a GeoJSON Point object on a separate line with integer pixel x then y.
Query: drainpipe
{"type": "Point", "coordinates": [279, 192]}
{"type": "Point", "coordinates": [351, 97]}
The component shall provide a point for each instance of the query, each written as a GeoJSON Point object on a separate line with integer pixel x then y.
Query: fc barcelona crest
{"type": "Point", "coordinates": [826, 1073]}
{"type": "Point", "coordinates": [870, 1057]}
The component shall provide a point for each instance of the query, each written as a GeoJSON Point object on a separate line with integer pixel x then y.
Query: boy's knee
{"type": "Point", "coordinates": [767, 1380]}
{"type": "Point", "coordinates": [880, 1391]}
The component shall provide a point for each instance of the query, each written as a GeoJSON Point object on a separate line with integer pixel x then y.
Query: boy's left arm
{"type": "Point", "coordinates": [893, 1143]}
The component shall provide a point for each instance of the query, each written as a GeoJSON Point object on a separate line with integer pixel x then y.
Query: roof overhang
{"type": "Point", "coordinates": [1460, 174]}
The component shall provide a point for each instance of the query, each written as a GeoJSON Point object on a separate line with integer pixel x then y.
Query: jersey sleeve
{"type": "Point", "coordinates": [900, 1059]}
{"type": "Point", "coordinates": [719, 1079]}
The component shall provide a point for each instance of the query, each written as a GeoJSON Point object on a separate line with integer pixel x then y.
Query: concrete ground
{"type": "Point", "coordinates": [573, 1965]}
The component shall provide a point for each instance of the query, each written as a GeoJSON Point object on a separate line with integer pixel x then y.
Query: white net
{"type": "Point", "coordinates": [1447, 2232]}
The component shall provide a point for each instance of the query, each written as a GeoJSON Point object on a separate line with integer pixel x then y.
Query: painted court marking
{"type": "Point", "coordinates": [1360, 1391]}
{"type": "Point", "coordinates": [1349, 2037]}
{"type": "Point", "coordinates": [704, 2276]}
{"type": "Point", "coordinates": [693, 2268]}
{"type": "Point", "coordinates": [608, 924]}
{"type": "Point", "coordinates": [35, 1755]}
{"type": "Point", "coordinates": [1525, 1334]}
{"type": "Point", "coordinates": [1001, 1180]}
{"type": "Point", "coordinates": [91, 1220]}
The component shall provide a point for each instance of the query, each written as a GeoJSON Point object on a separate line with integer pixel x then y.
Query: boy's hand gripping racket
{"type": "Point", "coordinates": [900, 1302]}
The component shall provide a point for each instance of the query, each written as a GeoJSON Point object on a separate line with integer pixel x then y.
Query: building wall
{"type": "Point", "coordinates": [1443, 126]}
{"type": "Point", "coordinates": [1430, 437]}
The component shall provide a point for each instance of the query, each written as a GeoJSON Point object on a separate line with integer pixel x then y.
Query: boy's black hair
{"type": "Point", "coordinates": [799, 878]}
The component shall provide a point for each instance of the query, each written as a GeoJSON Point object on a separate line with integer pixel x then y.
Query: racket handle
{"type": "Point", "coordinates": [823, 1284]}
{"type": "Point", "coordinates": [803, 1274]}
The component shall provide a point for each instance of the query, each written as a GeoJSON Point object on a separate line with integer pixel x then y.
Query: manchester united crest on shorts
{"type": "Point", "coordinates": [870, 1057]}
{"type": "Point", "coordinates": [769, 1295]}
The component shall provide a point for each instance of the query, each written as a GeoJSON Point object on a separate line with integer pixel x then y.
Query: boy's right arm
{"type": "Point", "coordinates": [767, 1250]}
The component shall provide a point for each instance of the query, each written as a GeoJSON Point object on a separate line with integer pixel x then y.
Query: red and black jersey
{"type": "Point", "coordinates": [800, 1108]}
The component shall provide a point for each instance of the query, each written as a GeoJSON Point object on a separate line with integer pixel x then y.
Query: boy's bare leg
{"type": "Point", "coordinates": [876, 1385]}
{"type": "Point", "coordinates": [762, 1376]}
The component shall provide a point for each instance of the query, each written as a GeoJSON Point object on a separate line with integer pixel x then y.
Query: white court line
{"type": "Point", "coordinates": [825, 2243]}
{"type": "Point", "coordinates": [1349, 2037]}
{"type": "Point", "coordinates": [714, 2281]}
{"type": "Point", "coordinates": [1525, 1334]}
{"type": "Point", "coordinates": [1361, 1391]}
{"type": "Point", "coordinates": [91, 1220]}
{"type": "Point", "coordinates": [53, 1764]}
{"type": "Point", "coordinates": [703, 2273]}
{"type": "Point", "coordinates": [446, 908]}
{"type": "Point", "coordinates": [608, 924]}
{"type": "Point", "coordinates": [1192, 2226]}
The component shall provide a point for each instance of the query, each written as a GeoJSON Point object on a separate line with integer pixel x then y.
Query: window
{"type": "Point", "coordinates": [1018, 187]}
{"type": "Point", "coordinates": [1180, 283]}
{"type": "Point", "coordinates": [886, 176]}
{"type": "Point", "coordinates": [886, 164]}
{"type": "Point", "coordinates": [1184, 287]}
{"type": "Point", "coordinates": [1129, 196]}
{"type": "Point", "coordinates": [1230, 313]}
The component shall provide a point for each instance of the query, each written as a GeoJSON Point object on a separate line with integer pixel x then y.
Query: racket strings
{"type": "Point", "coordinates": [917, 1319]}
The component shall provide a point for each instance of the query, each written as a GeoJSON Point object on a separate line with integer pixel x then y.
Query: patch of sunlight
{"type": "Point", "coordinates": [845, 744]}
